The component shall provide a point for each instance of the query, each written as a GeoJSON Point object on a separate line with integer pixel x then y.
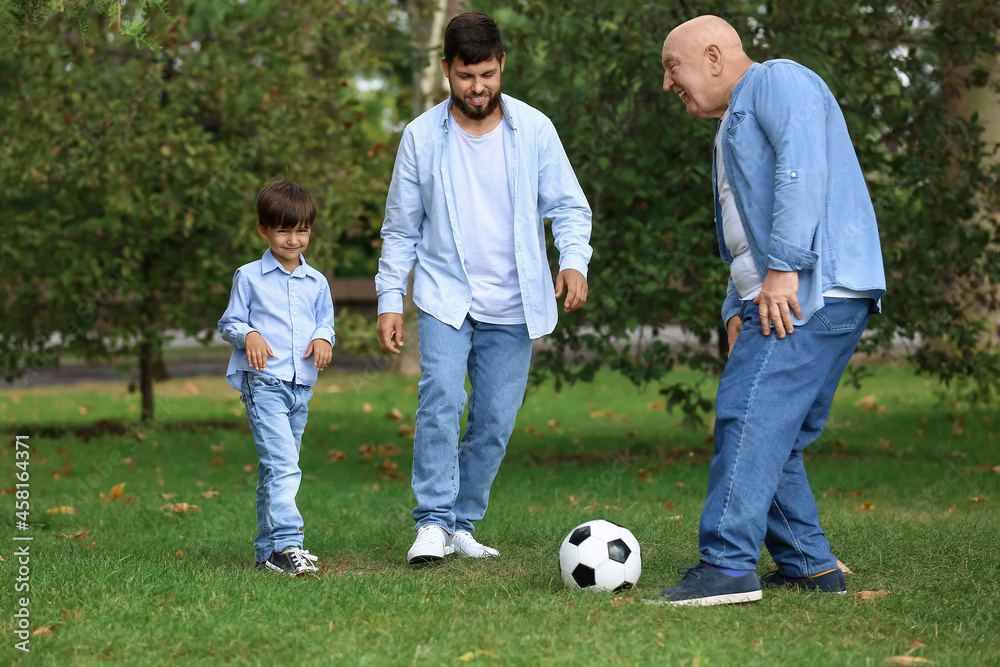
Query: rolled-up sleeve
{"type": "Point", "coordinates": [791, 111]}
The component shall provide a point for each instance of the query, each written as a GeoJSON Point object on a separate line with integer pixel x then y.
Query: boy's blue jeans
{"type": "Point", "coordinates": [277, 413]}
{"type": "Point", "coordinates": [774, 399]}
{"type": "Point", "coordinates": [452, 481]}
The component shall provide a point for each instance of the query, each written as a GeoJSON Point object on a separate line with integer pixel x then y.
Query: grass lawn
{"type": "Point", "coordinates": [905, 484]}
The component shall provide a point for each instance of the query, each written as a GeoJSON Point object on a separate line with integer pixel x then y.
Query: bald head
{"type": "Point", "coordinates": [703, 59]}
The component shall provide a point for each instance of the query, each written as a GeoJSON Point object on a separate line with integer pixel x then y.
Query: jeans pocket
{"type": "Point", "coordinates": [843, 314]}
{"type": "Point", "coordinates": [261, 381]}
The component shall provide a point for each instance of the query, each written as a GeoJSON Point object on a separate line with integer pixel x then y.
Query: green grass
{"type": "Point", "coordinates": [145, 587]}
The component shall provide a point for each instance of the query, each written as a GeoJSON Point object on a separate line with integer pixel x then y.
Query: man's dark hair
{"type": "Point", "coordinates": [285, 205]}
{"type": "Point", "coordinates": [473, 37]}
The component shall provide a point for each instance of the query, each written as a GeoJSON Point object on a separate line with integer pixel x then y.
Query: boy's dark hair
{"type": "Point", "coordinates": [474, 37]}
{"type": "Point", "coordinates": [285, 205]}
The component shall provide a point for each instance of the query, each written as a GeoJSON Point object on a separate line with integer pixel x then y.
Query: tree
{"type": "Point", "coordinates": [131, 172]}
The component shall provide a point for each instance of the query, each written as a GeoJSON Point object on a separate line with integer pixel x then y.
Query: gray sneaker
{"type": "Point", "coordinates": [293, 561]}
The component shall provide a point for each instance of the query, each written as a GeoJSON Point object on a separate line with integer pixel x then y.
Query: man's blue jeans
{"type": "Point", "coordinates": [277, 412]}
{"type": "Point", "coordinates": [452, 480]}
{"type": "Point", "coordinates": [774, 399]}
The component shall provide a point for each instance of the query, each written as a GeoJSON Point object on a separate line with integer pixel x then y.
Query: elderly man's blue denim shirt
{"type": "Point", "coordinates": [289, 310]}
{"type": "Point", "coordinates": [798, 186]}
{"type": "Point", "coordinates": [422, 230]}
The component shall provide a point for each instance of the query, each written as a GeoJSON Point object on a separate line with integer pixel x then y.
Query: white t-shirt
{"type": "Point", "coordinates": [486, 220]}
{"type": "Point", "coordinates": [746, 278]}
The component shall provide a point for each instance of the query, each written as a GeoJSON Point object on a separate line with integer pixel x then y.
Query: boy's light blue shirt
{"type": "Point", "coordinates": [422, 231]}
{"type": "Point", "coordinates": [289, 310]}
{"type": "Point", "coordinates": [798, 186]}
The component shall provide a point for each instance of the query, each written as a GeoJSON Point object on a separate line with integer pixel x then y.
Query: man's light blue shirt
{"type": "Point", "coordinates": [422, 231]}
{"type": "Point", "coordinates": [798, 187]}
{"type": "Point", "coordinates": [289, 310]}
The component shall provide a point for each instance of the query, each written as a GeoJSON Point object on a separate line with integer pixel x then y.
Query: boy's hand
{"type": "Point", "coordinates": [323, 350]}
{"type": "Point", "coordinates": [257, 350]}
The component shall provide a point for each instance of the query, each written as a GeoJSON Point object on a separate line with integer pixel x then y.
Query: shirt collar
{"type": "Point", "coordinates": [268, 263]}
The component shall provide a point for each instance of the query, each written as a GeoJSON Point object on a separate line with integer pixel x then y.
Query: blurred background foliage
{"type": "Point", "coordinates": [134, 142]}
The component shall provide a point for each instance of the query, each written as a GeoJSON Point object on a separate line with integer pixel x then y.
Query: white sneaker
{"type": "Point", "coordinates": [430, 545]}
{"type": "Point", "coordinates": [466, 545]}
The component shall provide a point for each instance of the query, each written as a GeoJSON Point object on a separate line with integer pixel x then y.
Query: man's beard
{"type": "Point", "coordinates": [477, 113]}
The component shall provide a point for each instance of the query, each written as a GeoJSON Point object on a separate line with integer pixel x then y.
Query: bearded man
{"type": "Point", "coordinates": [474, 180]}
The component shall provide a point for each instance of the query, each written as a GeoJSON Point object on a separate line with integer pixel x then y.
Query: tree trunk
{"type": "Point", "coordinates": [428, 19]}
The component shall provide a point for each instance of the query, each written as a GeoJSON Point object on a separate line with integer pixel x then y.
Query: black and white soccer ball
{"type": "Point", "coordinates": [600, 556]}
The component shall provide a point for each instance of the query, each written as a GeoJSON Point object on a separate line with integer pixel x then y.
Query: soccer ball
{"type": "Point", "coordinates": [600, 556]}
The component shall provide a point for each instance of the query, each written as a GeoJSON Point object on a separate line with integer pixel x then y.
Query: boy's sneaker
{"type": "Point", "coordinates": [431, 544]}
{"type": "Point", "coordinates": [466, 545]}
{"type": "Point", "coordinates": [292, 561]}
{"type": "Point", "coordinates": [831, 581]}
{"type": "Point", "coordinates": [703, 585]}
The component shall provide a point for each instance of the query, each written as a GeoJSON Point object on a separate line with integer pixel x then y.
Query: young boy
{"type": "Point", "coordinates": [280, 313]}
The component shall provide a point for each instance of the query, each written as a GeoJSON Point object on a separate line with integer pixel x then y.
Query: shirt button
{"type": "Point", "coordinates": [467, 301]}
{"type": "Point", "coordinates": [793, 174]}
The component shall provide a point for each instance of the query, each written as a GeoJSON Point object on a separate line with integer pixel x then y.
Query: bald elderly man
{"type": "Point", "coordinates": [797, 227]}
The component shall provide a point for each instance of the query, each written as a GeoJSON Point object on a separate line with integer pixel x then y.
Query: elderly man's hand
{"type": "Point", "coordinates": [777, 300]}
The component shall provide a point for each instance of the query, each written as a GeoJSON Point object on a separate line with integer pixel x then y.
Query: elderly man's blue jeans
{"type": "Point", "coordinates": [277, 412]}
{"type": "Point", "coordinates": [452, 480]}
{"type": "Point", "coordinates": [774, 399]}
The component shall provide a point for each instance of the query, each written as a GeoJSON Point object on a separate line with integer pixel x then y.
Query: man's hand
{"type": "Point", "coordinates": [733, 328]}
{"type": "Point", "coordinates": [323, 350]}
{"type": "Point", "coordinates": [777, 300]}
{"type": "Point", "coordinates": [390, 331]}
{"type": "Point", "coordinates": [576, 289]}
{"type": "Point", "coordinates": [257, 350]}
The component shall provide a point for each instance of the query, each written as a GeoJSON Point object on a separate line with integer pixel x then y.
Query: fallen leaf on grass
{"type": "Point", "coordinates": [406, 431]}
{"type": "Point", "coordinates": [337, 455]}
{"type": "Point", "coordinates": [191, 388]}
{"type": "Point", "coordinates": [129, 461]}
{"type": "Point", "coordinates": [657, 405]}
{"type": "Point", "coordinates": [83, 411]}
{"type": "Point", "coordinates": [980, 499]}
{"type": "Point", "coordinates": [63, 450]}
{"type": "Point", "coordinates": [573, 500]}
{"type": "Point", "coordinates": [211, 493]}
{"type": "Point", "coordinates": [958, 427]}
{"type": "Point", "coordinates": [76, 613]}
{"type": "Point", "coordinates": [468, 656]}
{"type": "Point", "coordinates": [867, 403]}
{"type": "Point", "coordinates": [179, 508]}
{"type": "Point", "coordinates": [367, 451]}
{"type": "Point", "coordinates": [62, 472]}
{"type": "Point", "coordinates": [854, 494]}
{"type": "Point", "coordinates": [217, 449]}
{"type": "Point", "coordinates": [646, 475]}
{"type": "Point", "coordinates": [250, 467]}
{"type": "Point", "coordinates": [180, 553]}
{"type": "Point", "coordinates": [843, 568]}
{"type": "Point", "coordinates": [385, 451]}
{"type": "Point", "coordinates": [395, 415]}
{"type": "Point", "coordinates": [680, 485]}
{"type": "Point", "coordinates": [115, 493]}
{"type": "Point", "coordinates": [333, 389]}
{"type": "Point", "coordinates": [75, 536]}
{"type": "Point", "coordinates": [62, 509]}
{"type": "Point", "coordinates": [47, 629]}
{"type": "Point", "coordinates": [870, 595]}
{"type": "Point", "coordinates": [217, 461]}
{"type": "Point", "coordinates": [598, 414]}
{"type": "Point", "coordinates": [617, 602]}
{"type": "Point", "coordinates": [867, 506]}
{"type": "Point", "coordinates": [908, 660]}
{"type": "Point", "coordinates": [667, 506]}
{"type": "Point", "coordinates": [367, 407]}
{"type": "Point", "coordinates": [167, 496]}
